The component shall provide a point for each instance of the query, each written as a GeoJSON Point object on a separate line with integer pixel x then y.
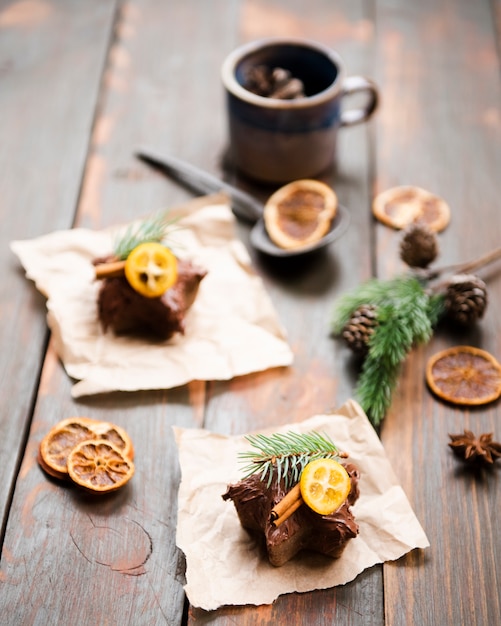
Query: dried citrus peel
{"type": "Point", "coordinates": [151, 269]}
{"type": "Point", "coordinates": [464, 375]}
{"type": "Point", "coordinates": [325, 484]}
{"type": "Point", "coordinates": [300, 213]}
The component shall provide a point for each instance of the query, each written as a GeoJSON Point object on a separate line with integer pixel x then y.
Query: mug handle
{"type": "Point", "coordinates": [358, 84]}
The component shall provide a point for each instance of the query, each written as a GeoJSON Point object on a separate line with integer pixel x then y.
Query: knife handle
{"type": "Point", "coordinates": [244, 205]}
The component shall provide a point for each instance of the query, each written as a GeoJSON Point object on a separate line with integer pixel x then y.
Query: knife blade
{"type": "Point", "coordinates": [244, 205]}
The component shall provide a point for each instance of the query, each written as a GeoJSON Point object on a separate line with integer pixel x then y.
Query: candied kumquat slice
{"type": "Point", "coordinates": [464, 375]}
{"type": "Point", "coordinates": [325, 485]}
{"type": "Point", "coordinates": [99, 466]}
{"type": "Point", "coordinates": [300, 213]}
{"type": "Point", "coordinates": [151, 269]}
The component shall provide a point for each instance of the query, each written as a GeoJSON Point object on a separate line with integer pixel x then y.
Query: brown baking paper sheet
{"type": "Point", "coordinates": [232, 328]}
{"type": "Point", "coordinates": [224, 566]}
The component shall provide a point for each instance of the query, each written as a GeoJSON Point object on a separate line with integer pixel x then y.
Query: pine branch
{"type": "Point", "coordinates": [463, 268]}
{"type": "Point", "coordinates": [407, 310]}
{"type": "Point", "coordinates": [373, 291]}
{"type": "Point", "coordinates": [436, 308]}
{"type": "Point", "coordinates": [406, 315]}
{"type": "Point", "coordinates": [154, 229]}
{"type": "Point", "coordinates": [286, 454]}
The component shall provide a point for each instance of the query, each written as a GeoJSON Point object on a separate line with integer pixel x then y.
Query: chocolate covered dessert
{"type": "Point", "coordinates": [146, 289]}
{"type": "Point", "coordinates": [283, 520]}
{"type": "Point", "coordinates": [125, 311]}
{"type": "Point", "coordinates": [304, 530]}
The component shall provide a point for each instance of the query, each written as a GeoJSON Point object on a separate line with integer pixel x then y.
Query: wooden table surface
{"type": "Point", "coordinates": [82, 84]}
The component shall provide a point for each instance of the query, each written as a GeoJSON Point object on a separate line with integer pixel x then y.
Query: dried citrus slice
{"type": "Point", "coordinates": [464, 375]}
{"type": "Point", "coordinates": [57, 444]}
{"type": "Point", "coordinates": [115, 435]}
{"type": "Point", "coordinates": [151, 269]}
{"type": "Point", "coordinates": [99, 466]}
{"type": "Point", "coordinates": [300, 213]}
{"type": "Point", "coordinates": [325, 485]}
{"type": "Point", "coordinates": [399, 207]}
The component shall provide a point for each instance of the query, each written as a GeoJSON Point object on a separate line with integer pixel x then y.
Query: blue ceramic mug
{"type": "Point", "coordinates": [279, 140]}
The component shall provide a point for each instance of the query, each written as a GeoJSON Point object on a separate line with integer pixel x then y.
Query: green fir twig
{"type": "Point", "coordinates": [286, 454]}
{"type": "Point", "coordinates": [406, 315]}
{"type": "Point", "coordinates": [154, 229]}
{"type": "Point", "coordinates": [407, 310]}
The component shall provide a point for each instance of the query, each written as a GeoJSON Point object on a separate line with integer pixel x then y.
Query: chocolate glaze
{"type": "Point", "coordinates": [304, 530]}
{"type": "Point", "coordinates": [125, 311]}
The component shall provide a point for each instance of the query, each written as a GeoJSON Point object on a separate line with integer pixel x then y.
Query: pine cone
{"type": "Point", "coordinates": [419, 246]}
{"type": "Point", "coordinates": [465, 299]}
{"type": "Point", "coordinates": [360, 327]}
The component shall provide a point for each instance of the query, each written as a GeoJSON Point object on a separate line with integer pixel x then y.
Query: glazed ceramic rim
{"type": "Point", "coordinates": [235, 88]}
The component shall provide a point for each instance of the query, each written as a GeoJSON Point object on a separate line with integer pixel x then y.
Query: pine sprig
{"type": "Point", "coordinates": [286, 454]}
{"type": "Point", "coordinates": [152, 229]}
{"type": "Point", "coordinates": [407, 309]}
{"type": "Point", "coordinates": [406, 316]}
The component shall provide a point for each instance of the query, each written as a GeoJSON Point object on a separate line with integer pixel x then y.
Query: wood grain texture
{"type": "Point", "coordinates": [82, 84]}
{"type": "Point", "coordinates": [440, 128]}
{"type": "Point", "coordinates": [121, 549]}
{"type": "Point", "coordinates": [303, 292]}
{"type": "Point", "coordinates": [47, 109]}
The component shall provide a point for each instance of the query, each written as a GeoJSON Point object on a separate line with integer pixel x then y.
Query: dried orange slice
{"type": "Point", "coordinates": [399, 207]}
{"type": "Point", "coordinates": [99, 466]}
{"type": "Point", "coordinates": [325, 485]}
{"type": "Point", "coordinates": [115, 435]}
{"type": "Point", "coordinates": [57, 444]}
{"type": "Point", "coordinates": [300, 213]}
{"type": "Point", "coordinates": [464, 375]}
{"type": "Point", "coordinates": [151, 269]}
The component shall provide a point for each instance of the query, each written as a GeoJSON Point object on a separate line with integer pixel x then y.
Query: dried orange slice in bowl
{"type": "Point", "coordinates": [99, 467]}
{"type": "Point", "coordinates": [57, 444]}
{"type": "Point", "coordinates": [151, 269]}
{"type": "Point", "coordinates": [300, 213]}
{"type": "Point", "coordinates": [325, 485]}
{"type": "Point", "coordinates": [399, 207]}
{"type": "Point", "coordinates": [464, 375]}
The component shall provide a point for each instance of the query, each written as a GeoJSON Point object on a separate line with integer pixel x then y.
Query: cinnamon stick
{"type": "Point", "coordinates": [286, 514]}
{"type": "Point", "coordinates": [287, 505]}
{"type": "Point", "coordinates": [110, 270]}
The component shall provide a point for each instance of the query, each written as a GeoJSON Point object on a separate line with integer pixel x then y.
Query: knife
{"type": "Point", "coordinates": [244, 205]}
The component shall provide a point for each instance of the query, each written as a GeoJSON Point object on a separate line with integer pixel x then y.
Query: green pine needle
{"type": "Point", "coordinates": [285, 454]}
{"type": "Point", "coordinates": [153, 229]}
{"type": "Point", "coordinates": [406, 315]}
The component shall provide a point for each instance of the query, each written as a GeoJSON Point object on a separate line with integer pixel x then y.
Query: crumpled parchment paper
{"type": "Point", "coordinates": [232, 328]}
{"type": "Point", "coordinates": [226, 567]}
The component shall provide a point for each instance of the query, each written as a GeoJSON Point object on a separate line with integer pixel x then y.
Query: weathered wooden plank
{"type": "Point", "coordinates": [160, 87]}
{"type": "Point", "coordinates": [114, 560]}
{"type": "Point", "coordinates": [496, 10]}
{"type": "Point", "coordinates": [47, 107]}
{"type": "Point", "coordinates": [303, 292]}
{"type": "Point", "coordinates": [440, 128]}
{"type": "Point", "coordinates": [104, 560]}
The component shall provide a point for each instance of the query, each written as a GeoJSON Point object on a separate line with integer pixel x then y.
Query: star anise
{"type": "Point", "coordinates": [471, 448]}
